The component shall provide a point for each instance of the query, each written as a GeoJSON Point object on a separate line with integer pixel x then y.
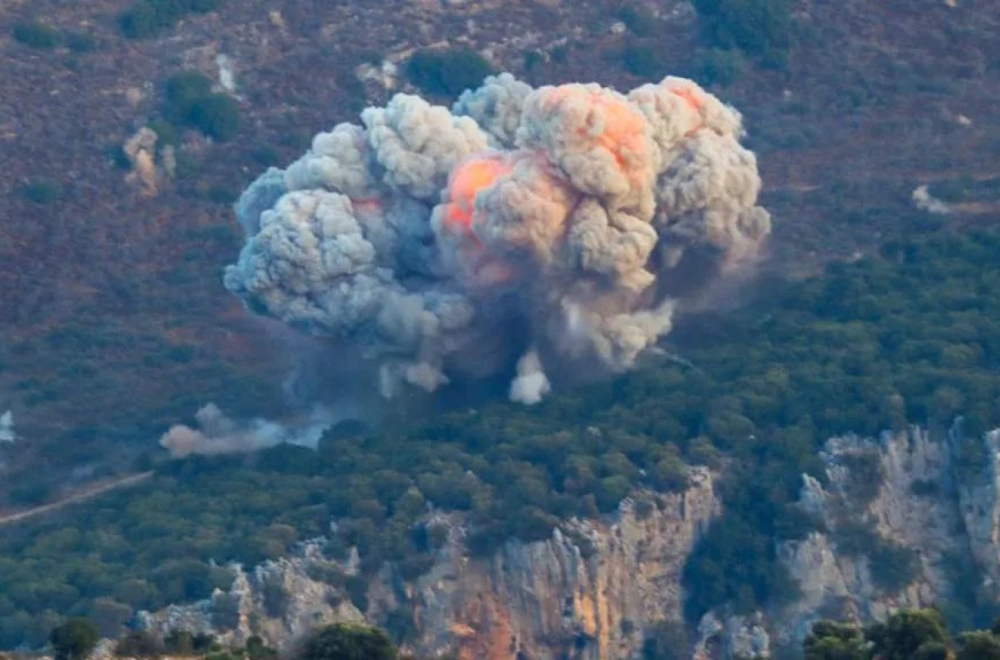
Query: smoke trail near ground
{"type": "Point", "coordinates": [551, 227]}
{"type": "Point", "coordinates": [218, 434]}
{"type": "Point", "coordinates": [7, 427]}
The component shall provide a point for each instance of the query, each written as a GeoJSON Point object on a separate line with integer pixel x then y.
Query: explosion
{"type": "Point", "coordinates": [521, 233]}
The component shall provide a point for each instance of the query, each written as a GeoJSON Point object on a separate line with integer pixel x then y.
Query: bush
{"type": "Point", "coordinates": [146, 18]}
{"type": "Point", "coordinates": [346, 641]}
{"type": "Point", "coordinates": [643, 61]}
{"type": "Point", "coordinates": [140, 644]}
{"type": "Point", "coordinates": [720, 67]}
{"type": "Point", "coordinates": [447, 72]}
{"type": "Point", "coordinates": [191, 102]}
{"type": "Point", "coordinates": [43, 191]}
{"type": "Point", "coordinates": [80, 42]}
{"type": "Point", "coordinates": [639, 20]}
{"type": "Point", "coordinates": [666, 640]}
{"type": "Point", "coordinates": [36, 35]}
{"type": "Point", "coordinates": [73, 640]}
{"type": "Point", "coordinates": [893, 566]}
{"type": "Point", "coordinates": [761, 28]}
{"type": "Point", "coordinates": [217, 116]}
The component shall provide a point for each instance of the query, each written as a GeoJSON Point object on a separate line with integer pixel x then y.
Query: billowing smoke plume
{"type": "Point", "coordinates": [218, 434]}
{"type": "Point", "coordinates": [552, 227]}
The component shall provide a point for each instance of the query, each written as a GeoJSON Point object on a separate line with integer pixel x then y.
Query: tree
{"type": "Point", "coordinates": [73, 640]}
{"type": "Point", "coordinates": [447, 72]}
{"type": "Point", "coordinates": [347, 641]}
{"type": "Point", "coordinates": [140, 644]}
{"type": "Point", "coordinates": [834, 641]}
{"type": "Point", "coordinates": [978, 645]}
{"type": "Point", "coordinates": [908, 635]}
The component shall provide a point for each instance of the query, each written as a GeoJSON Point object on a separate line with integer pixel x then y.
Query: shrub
{"type": "Point", "coordinates": [642, 61]}
{"type": "Point", "coordinates": [893, 566]}
{"type": "Point", "coordinates": [276, 598]}
{"type": "Point", "coordinates": [146, 18]}
{"type": "Point", "coordinates": [217, 116]}
{"type": "Point", "coordinates": [191, 102]}
{"type": "Point", "coordinates": [639, 20]}
{"type": "Point", "coordinates": [36, 35]}
{"type": "Point", "coordinates": [80, 42]}
{"type": "Point", "coordinates": [139, 644]}
{"type": "Point", "coordinates": [447, 72]}
{"type": "Point", "coordinates": [184, 90]}
{"type": "Point", "coordinates": [761, 28]}
{"type": "Point", "coordinates": [720, 67]}
{"type": "Point", "coordinates": [347, 641]}
{"type": "Point", "coordinates": [533, 59]}
{"type": "Point", "coordinates": [43, 191]}
{"type": "Point", "coordinates": [73, 640]}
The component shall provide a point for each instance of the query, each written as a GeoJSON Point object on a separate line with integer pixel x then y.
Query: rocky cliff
{"type": "Point", "coordinates": [903, 520]}
{"type": "Point", "coordinates": [586, 593]}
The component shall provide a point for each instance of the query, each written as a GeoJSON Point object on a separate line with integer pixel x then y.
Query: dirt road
{"type": "Point", "coordinates": [78, 496]}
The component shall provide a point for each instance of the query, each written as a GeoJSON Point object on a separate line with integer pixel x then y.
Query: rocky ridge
{"type": "Point", "coordinates": [587, 592]}
{"type": "Point", "coordinates": [896, 517]}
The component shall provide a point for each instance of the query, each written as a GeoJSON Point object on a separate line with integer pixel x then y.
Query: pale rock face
{"type": "Point", "coordinates": [979, 500]}
{"type": "Point", "coordinates": [958, 522]}
{"type": "Point", "coordinates": [590, 590]}
{"type": "Point", "coordinates": [585, 593]}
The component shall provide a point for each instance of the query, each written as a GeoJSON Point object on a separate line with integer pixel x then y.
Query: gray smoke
{"type": "Point", "coordinates": [559, 225]}
{"type": "Point", "coordinates": [218, 434]}
{"type": "Point", "coordinates": [7, 427]}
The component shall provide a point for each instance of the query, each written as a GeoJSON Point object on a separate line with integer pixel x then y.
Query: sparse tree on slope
{"type": "Point", "coordinates": [73, 640]}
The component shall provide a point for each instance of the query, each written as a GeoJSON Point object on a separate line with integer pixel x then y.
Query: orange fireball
{"type": "Point", "coordinates": [472, 176]}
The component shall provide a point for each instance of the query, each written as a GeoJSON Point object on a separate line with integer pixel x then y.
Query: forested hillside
{"type": "Point", "coordinates": [113, 321]}
{"type": "Point", "coordinates": [907, 336]}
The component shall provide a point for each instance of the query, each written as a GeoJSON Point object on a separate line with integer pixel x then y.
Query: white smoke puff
{"type": "Point", "coordinates": [218, 434]}
{"type": "Point", "coordinates": [677, 108]}
{"type": "Point", "coordinates": [616, 245]}
{"type": "Point", "coordinates": [338, 161]}
{"type": "Point", "coordinates": [924, 201]}
{"type": "Point", "coordinates": [617, 339]}
{"type": "Point", "coordinates": [7, 427]}
{"type": "Point", "coordinates": [260, 196]}
{"type": "Point", "coordinates": [708, 195]}
{"type": "Point", "coordinates": [496, 106]}
{"type": "Point", "coordinates": [599, 142]}
{"type": "Point", "coordinates": [418, 144]}
{"type": "Point", "coordinates": [531, 384]}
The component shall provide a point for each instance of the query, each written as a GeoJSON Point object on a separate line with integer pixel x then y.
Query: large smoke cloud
{"type": "Point", "coordinates": [546, 227]}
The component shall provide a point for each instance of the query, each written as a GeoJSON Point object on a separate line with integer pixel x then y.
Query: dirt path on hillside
{"type": "Point", "coordinates": [75, 497]}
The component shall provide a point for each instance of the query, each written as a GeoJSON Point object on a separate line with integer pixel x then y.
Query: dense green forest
{"type": "Point", "coordinates": [906, 336]}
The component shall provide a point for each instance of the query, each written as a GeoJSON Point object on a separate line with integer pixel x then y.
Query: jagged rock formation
{"type": "Point", "coordinates": [898, 517]}
{"type": "Point", "coordinates": [586, 593]}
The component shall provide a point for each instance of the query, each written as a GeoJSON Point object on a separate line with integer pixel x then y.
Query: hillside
{"type": "Point", "coordinates": [873, 310]}
{"type": "Point", "coordinates": [111, 297]}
